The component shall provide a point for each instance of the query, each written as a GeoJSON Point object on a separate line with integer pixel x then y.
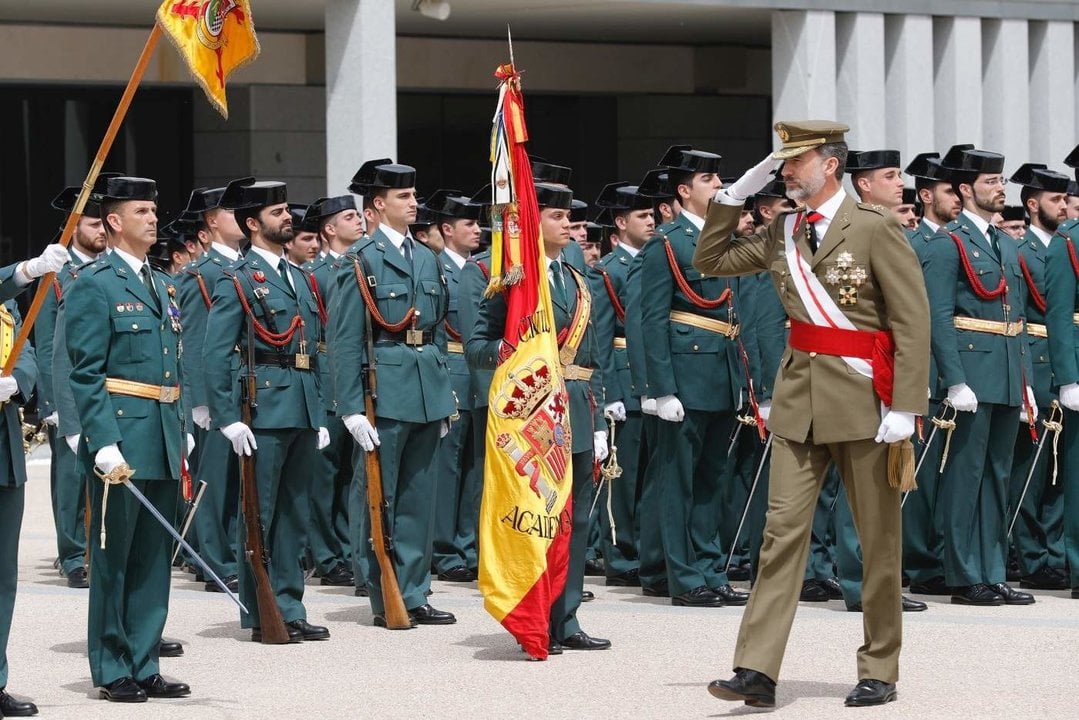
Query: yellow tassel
{"type": "Point", "coordinates": [901, 466]}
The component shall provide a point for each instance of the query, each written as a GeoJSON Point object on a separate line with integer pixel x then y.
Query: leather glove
{"type": "Point", "coordinates": [765, 409]}
{"type": "Point", "coordinates": [617, 411]}
{"type": "Point", "coordinates": [1069, 396]}
{"type": "Point", "coordinates": [53, 419]}
{"type": "Point", "coordinates": [599, 444]}
{"type": "Point", "coordinates": [241, 437]}
{"type": "Point", "coordinates": [362, 431]}
{"type": "Point", "coordinates": [108, 458]}
{"type": "Point", "coordinates": [752, 182]}
{"type": "Point", "coordinates": [669, 408]}
{"type": "Point", "coordinates": [72, 442]}
{"type": "Point", "coordinates": [190, 444]}
{"type": "Point", "coordinates": [444, 429]}
{"type": "Point", "coordinates": [8, 387]}
{"type": "Point", "coordinates": [323, 440]}
{"type": "Point", "coordinates": [895, 426]}
{"type": "Point", "coordinates": [201, 415]}
{"type": "Point", "coordinates": [962, 398]}
{"type": "Point", "coordinates": [648, 405]}
{"type": "Point", "coordinates": [52, 259]}
{"type": "Point", "coordinates": [1023, 408]}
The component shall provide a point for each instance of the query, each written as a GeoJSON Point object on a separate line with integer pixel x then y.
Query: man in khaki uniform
{"type": "Point", "coordinates": [853, 290]}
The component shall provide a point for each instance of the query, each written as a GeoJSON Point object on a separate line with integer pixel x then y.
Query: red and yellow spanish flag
{"type": "Point", "coordinates": [525, 516]}
{"type": "Point", "coordinates": [215, 37]}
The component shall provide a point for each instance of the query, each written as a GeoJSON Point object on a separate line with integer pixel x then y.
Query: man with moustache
{"type": "Point", "coordinates": [266, 292]}
{"type": "Point", "coordinates": [123, 343]}
{"type": "Point", "coordinates": [846, 276]}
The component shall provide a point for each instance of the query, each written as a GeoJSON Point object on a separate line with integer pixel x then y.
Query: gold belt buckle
{"type": "Point", "coordinates": [165, 394]}
{"type": "Point", "coordinates": [303, 361]}
{"type": "Point", "coordinates": [414, 337]}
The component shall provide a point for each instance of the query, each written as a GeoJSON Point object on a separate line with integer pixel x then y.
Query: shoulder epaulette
{"type": "Point", "coordinates": [879, 209]}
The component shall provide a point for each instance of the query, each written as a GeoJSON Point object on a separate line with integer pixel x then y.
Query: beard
{"type": "Point", "coordinates": [805, 189]}
{"type": "Point", "coordinates": [992, 202]}
{"type": "Point", "coordinates": [1047, 221]}
{"type": "Point", "coordinates": [280, 236]}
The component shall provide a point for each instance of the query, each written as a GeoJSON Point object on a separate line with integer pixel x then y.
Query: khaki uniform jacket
{"type": "Point", "coordinates": [821, 396]}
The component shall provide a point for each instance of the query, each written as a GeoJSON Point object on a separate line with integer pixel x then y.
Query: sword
{"type": "Point", "coordinates": [189, 516]}
{"type": "Point", "coordinates": [122, 475]}
{"type": "Point", "coordinates": [749, 501]}
{"type": "Point", "coordinates": [1052, 426]}
{"type": "Point", "coordinates": [939, 421]}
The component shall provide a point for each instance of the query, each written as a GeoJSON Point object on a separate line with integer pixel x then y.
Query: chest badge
{"type": "Point", "coordinates": [846, 277]}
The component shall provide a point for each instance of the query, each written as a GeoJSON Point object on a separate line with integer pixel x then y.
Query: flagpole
{"type": "Point", "coordinates": [87, 187]}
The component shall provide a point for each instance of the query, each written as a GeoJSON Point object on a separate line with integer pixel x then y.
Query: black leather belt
{"type": "Point", "coordinates": [286, 360]}
{"type": "Point", "coordinates": [414, 338]}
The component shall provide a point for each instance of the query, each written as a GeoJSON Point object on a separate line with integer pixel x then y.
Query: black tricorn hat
{"type": "Point", "coordinates": [686, 159]}
{"type": "Point", "coordinates": [130, 188]}
{"type": "Point", "coordinates": [553, 196]}
{"type": "Point", "coordinates": [597, 233]}
{"type": "Point", "coordinates": [910, 196]}
{"type": "Point", "coordinates": [578, 211]}
{"type": "Point", "coordinates": [298, 211]}
{"type": "Point", "coordinates": [968, 161]}
{"type": "Point", "coordinates": [776, 189]}
{"type": "Point", "coordinates": [1072, 160]}
{"type": "Point", "coordinates": [181, 226]}
{"type": "Point", "coordinates": [425, 216]}
{"type": "Point", "coordinates": [324, 208]}
{"type": "Point", "coordinates": [453, 204]}
{"type": "Point", "coordinates": [1073, 187]}
{"type": "Point", "coordinates": [246, 193]}
{"type": "Point", "coordinates": [545, 172]}
{"type": "Point", "coordinates": [864, 160]}
{"type": "Point", "coordinates": [203, 200]}
{"type": "Point", "coordinates": [382, 174]}
{"type": "Point", "coordinates": [67, 198]}
{"type": "Point", "coordinates": [927, 167]}
{"type": "Point", "coordinates": [657, 185]}
{"type": "Point", "coordinates": [1039, 177]}
{"type": "Point", "coordinates": [1013, 212]}
{"type": "Point", "coordinates": [623, 197]}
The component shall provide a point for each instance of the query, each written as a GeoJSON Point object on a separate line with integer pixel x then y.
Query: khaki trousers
{"type": "Point", "coordinates": [794, 484]}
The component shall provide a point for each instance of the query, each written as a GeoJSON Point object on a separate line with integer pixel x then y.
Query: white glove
{"type": "Point", "coordinates": [8, 387]}
{"type": "Point", "coordinates": [53, 259]}
{"type": "Point", "coordinates": [1023, 408]}
{"type": "Point", "coordinates": [190, 444]}
{"type": "Point", "coordinates": [323, 440]}
{"type": "Point", "coordinates": [201, 415]}
{"type": "Point", "coordinates": [963, 398]}
{"type": "Point", "coordinates": [895, 426]}
{"type": "Point", "coordinates": [53, 419]}
{"type": "Point", "coordinates": [362, 431]}
{"type": "Point", "coordinates": [1069, 396]}
{"type": "Point", "coordinates": [765, 410]}
{"type": "Point", "coordinates": [72, 442]}
{"type": "Point", "coordinates": [752, 182]}
{"type": "Point", "coordinates": [108, 458]}
{"type": "Point", "coordinates": [669, 408]}
{"type": "Point", "coordinates": [617, 411]}
{"type": "Point", "coordinates": [241, 437]}
{"type": "Point", "coordinates": [648, 405]}
{"type": "Point", "coordinates": [599, 444]}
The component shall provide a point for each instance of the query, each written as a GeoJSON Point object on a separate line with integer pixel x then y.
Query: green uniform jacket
{"type": "Point", "coordinates": [767, 336]}
{"type": "Point", "coordinates": [120, 331]}
{"type": "Point", "coordinates": [991, 365]}
{"type": "Point", "coordinates": [1062, 298]}
{"type": "Point", "coordinates": [63, 402]}
{"type": "Point", "coordinates": [1036, 256]}
{"type": "Point", "coordinates": [458, 367]}
{"type": "Point", "coordinates": [287, 398]}
{"type": "Point", "coordinates": [473, 282]}
{"type": "Point", "coordinates": [919, 239]}
{"type": "Point", "coordinates": [12, 461]}
{"type": "Point", "coordinates": [413, 382]}
{"type": "Point", "coordinates": [44, 338]}
{"type": "Point", "coordinates": [209, 267]}
{"type": "Point", "coordinates": [635, 341]}
{"type": "Point", "coordinates": [615, 361]}
{"type": "Point", "coordinates": [323, 268]}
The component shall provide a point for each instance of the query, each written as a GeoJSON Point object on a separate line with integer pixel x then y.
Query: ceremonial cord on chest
{"type": "Point", "coordinates": [1071, 256]}
{"type": "Point", "coordinates": [56, 288]}
{"type": "Point", "coordinates": [976, 284]}
{"type": "Point", "coordinates": [369, 300]}
{"type": "Point", "coordinates": [612, 295]}
{"type": "Point", "coordinates": [323, 316]}
{"type": "Point", "coordinates": [275, 339]}
{"type": "Point", "coordinates": [451, 331]}
{"type": "Point", "coordinates": [683, 284]}
{"type": "Point", "coordinates": [1035, 296]}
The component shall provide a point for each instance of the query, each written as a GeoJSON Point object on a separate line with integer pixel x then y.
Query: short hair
{"type": "Point", "coordinates": [680, 177]}
{"type": "Point", "coordinates": [107, 208]}
{"type": "Point", "coordinates": [369, 200]}
{"type": "Point", "coordinates": [839, 151]}
{"type": "Point", "coordinates": [1027, 193]}
{"type": "Point", "coordinates": [241, 219]}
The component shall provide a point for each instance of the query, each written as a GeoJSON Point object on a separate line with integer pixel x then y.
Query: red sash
{"type": "Point", "coordinates": [877, 347]}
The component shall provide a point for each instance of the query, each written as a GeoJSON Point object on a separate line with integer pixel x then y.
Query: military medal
{"type": "Point", "coordinates": [138, 307]}
{"type": "Point", "coordinates": [848, 276]}
{"type": "Point", "coordinates": [259, 276]}
{"type": "Point", "coordinates": [130, 307]}
{"type": "Point", "coordinates": [119, 307]}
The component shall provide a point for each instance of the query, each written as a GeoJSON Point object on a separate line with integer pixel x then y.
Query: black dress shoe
{"type": "Point", "coordinates": [933, 586]}
{"type": "Point", "coordinates": [457, 574]}
{"type": "Point", "coordinates": [295, 635]}
{"type": "Point", "coordinates": [361, 591]}
{"type": "Point", "coordinates": [156, 686]}
{"type": "Point", "coordinates": [656, 591]}
{"type": "Point", "coordinates": [170, 649]}
{"type": "Point", "coordinates": [10, 707]}
{"type": "Point", "coordinates": [832, 587]}
{"type": "Point", "coordinates": [730, 596]}
{"type": "Point", "coordinates": [427, 615]}
{"type": "Point", "coordinates": [912, 605]}
{"type": "Point", "coordinates": [340, 576]}
{"type": "Point", "coordinates": [587, 596]}
{"type": "Point", "coordinates": [630, 578]}
{"type": "Point", "coordinates": [581, 640]}
{"type": "Point", "coordinates": [979, 594]}
{"type": "Point", "coordinates": [1013, 572]}
{"type": "Point", "coordinates": [698, 597]}
{"type": "Point", "coordinates": [1042, 579]}
{"type": "Point", "coordinates": [751, 687]}
{"type": "Point", "coordinates": [594, 568]}
{"type": "Point", "coordinates": [871, 692]}
{"type": "Point", "coordinates": [554, 648]}
{"type": "Point", "coordinates": [124, 690]}
{"type": "Point", "coordinates": [380, 621]}
{"type": "Point", "coordinates": [77, 579]}
{"type": "Point", "coordinates": [813, 591]}
{"type": "Point", "coordinates": [739, 573]}
{"type": "Point", "coordinates": [308, 631]}
{"type": "Point", "coordinates": [1011, 596]}
{"type": "Point", "coordinates": [231, 582]}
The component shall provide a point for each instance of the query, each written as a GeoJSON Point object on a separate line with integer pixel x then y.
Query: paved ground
{"type": "Point", "coordinates": [957, 662]}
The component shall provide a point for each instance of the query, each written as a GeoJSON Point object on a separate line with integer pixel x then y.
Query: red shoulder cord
{"type": "Point", "coordinates": [619, 310]}
{"type": "Point", "coordinates": [277, 340]}
{"type": "Point", "coordinates": [56, 288]}
{"type": "Point", "coordinates": [1071, 254]}
{"type": "Point", "coordinates": [1035, 296]}
{"type": "Point", "coordinates": [451, 332]}
{"type": "Point", "coordinates": [323, 316]}
{"type": "Point", "coordinates": [202, 287]}
{"type": "Point", "coordinates": [976, 285]}
{"type": "Point", "coordinates": [365, 292]}
{"type": "Point", "coordinates": [484, 270]}
{"type": "Point", "coordinates": [683, 284]}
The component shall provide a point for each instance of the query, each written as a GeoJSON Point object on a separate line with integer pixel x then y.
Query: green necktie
{"type": "Point", "coordinates": [282, 268]}
{"type": "Point", "coordinates": [559, 282]}
{"type": "Point", "coordinates": [148, 281]}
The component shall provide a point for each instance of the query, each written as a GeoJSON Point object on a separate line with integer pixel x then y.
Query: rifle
{"type": "Point", "coordinates": [397, 617]}
{"type": "Point", "coordinates": [270, 619]}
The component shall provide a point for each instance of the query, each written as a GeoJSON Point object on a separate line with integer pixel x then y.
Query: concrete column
{"type": "Point", "coordinates": [804, 64]}
{"type": "Point", "coordinates": [957, 64]}
{"type": "Point", "coordinates": [361, 87]}
{"type": "Point", "coordinates": [1006, 93]}
{"type": "Point", "coordinates": [908, 47]}
{"type": "Point", "coordinates": [860, 78]}
{"type": "Point", "coordinates": [1052, 92]}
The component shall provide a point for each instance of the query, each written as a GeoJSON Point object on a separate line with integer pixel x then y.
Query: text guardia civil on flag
{"type": "Point", "coordinates": [215, 37]}
{"type": "Point", "coordinates": [525, 513]}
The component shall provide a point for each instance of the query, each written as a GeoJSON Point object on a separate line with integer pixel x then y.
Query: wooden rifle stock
{"type": "Point", "coordinates": [271, 621]}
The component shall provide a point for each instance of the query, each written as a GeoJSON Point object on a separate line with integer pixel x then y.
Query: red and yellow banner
{"type": "Point", "coordinates": [215, 37]}
{"type": "Point", "coordinates": [525, 516]}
